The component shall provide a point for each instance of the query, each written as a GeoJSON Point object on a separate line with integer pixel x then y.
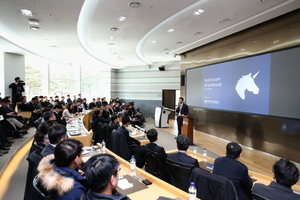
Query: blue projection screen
{"type": "Point", "coordinates": [249, 85]}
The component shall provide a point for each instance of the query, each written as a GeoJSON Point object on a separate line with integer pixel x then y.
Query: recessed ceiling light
{"type": "Point", "coordinates": [33, 22]}
{"type": "Point", "coordinates": [26, 12]}
{"type": "Point", "coordinates": [111, 44]}
{"type": "Point", "coordinates": [197, 33]}
{"type": "Point", "coordinates": [179, 42]}
{"type": "Point", "coordinates": [53, 46]}
{"type": "Point", "coordinates": [199, 12]}
{"type": "Point", "coordinates": [122, 19]}
{"type": "Point", "coordinates": [223, 20]}
{"type": "Point", "coordinates": [171, 30]}
{"type": "Point", "coordinates": [114, 29]}
{"type": "Point", "coordinates": [134, 5]}
{"type": "Point", "coordinates": [35, 28]}
{"type": "Point", "coordinates": [153, 41]}
{"type": "Point", "coordinates": [149, 51]}
{"type": "Point", "coordinates": [44, 38]}
{"type": "Point", "coordinates": [111, 37]}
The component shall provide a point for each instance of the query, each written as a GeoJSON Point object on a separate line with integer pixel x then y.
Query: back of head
{"type": "Point", "coordinates": [98, 171]}
{"type": "Point", "coordinates": [286, 173]}
{"type": "Point", "coordinates": [113, 118]}
{"type": "Point", "coordinates": [66, 151]}
{"type": "Point", "coordinates": [57, 106]}
{"type": "Point", "coordinates": [56, 133]}
{"type": "Point", "coordinates": [125, 120]}
{"type": "Point", "coordinates": [183, 142]}
{"type": "Point", "coordinates": [233, 150]}
{"type": "Point", "coordinates": [47, 115]}
{"type": "Point", "coordinates": [152, 135]}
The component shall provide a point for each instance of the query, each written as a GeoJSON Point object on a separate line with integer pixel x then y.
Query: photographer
{"type": "Point", "coordinates": [17, 89]}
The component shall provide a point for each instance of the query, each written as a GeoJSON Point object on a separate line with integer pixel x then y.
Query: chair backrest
{"type": "Point", "coordinates": [256, 196]}
{"type": "Point", "coordinates": [40, 189]}
{"type": "Point", "coordinates": [212, 187]}
{"type": "Point", "coordinates": [179, 173]}
{"type": "Point", "coordinates": [118, 144]}
{"type": "Point", "coordinates": [100, 133]}
{"type": "Point", "coordinates": [153, 164]}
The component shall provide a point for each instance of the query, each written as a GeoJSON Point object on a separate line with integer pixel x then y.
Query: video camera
{"type": "Point", "coordinates": [21, 82]}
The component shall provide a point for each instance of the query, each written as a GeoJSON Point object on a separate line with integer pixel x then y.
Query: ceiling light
{"type": "Point", "coordinates": [197, 33]}
{"type": "Point", "coordinates": [134, 5]}
{"type": "Point", "coordinates": [199, 12]}
{"type": "Point", "coordinates": [171, 30]}
{"type": "Point", "coordinates": [122, 19]}
{"type": "Point", "coordinates": [114, 29]}
{"type": "Point", "coordinates": [26, 12]}
{"type": "Point", "coordinates": [153, 41]}
{"type": "Point", "coordinates": [33, 22]}
{"type": "Point", "coordinates": [111, 37]}
{"type": "Point", "coordinates": [223, 20]}
{"type": "Point", "coordinates": [44, 38]}
{"type": "Point", "coordinates": [111, 44]}
{"type": "Point", "coordinates": [35, 28]}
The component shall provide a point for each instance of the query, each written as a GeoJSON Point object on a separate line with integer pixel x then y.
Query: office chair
{"type": "Point", "coordinates": [179, 173]}
{"type": "Point", "coordinates": [256, 196]}
{"type": "Point", "coordinates": [40, 189]}
{"type": "Point", "coordinates": [153, 164]}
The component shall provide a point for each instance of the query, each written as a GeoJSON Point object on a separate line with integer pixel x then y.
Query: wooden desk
{"type": "Point", "coordinates": [260, 178]}
{"type": "Point", "coordinates": [140, 137]}
{"type": "Point", "coordinates": [85, 136]}
{"type": "Point", "coordinates": [158, 187]}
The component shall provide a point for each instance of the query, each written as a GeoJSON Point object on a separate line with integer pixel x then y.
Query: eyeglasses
{"type": "Point", "coordinates": [119, 169]}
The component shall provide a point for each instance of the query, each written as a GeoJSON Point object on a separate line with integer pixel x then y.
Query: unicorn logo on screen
{"type": "Point", "coordinates": [246, 83]}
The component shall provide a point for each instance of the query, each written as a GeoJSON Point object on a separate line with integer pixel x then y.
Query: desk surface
{"type": "Point", "coordinates": [156, 189]}
{"type": "Point", "coordinates": [260, 178]}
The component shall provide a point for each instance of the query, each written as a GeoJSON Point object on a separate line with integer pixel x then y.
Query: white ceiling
{"type": "Point", "coordinates": [80, 30]}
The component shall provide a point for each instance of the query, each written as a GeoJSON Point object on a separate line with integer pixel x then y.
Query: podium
{"type": "Point", "coordinates": [188, 128]}
{"type": "Point", "coordinates": [162, 117]}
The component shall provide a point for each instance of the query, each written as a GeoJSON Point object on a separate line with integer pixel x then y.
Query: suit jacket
{"type": "Point", "coordinates": [275, 191]}
{"type": "Point", "coordinates": [58, 120]}
{"type": "Point", "coordinates": [77, 109]}
{"type": "Point", "coordinates": [49, 149]}
{"type": "Point", "coordinates": [159, 150]}
{"type": "Point", "coordinates": [105, 114]}
{"type": "Point", "coordinates": [24, 107]}
{"type": "Point", "coordinates": [4, 111]}
{"type": "Point", "coordinates": [236, 172]}
{"type": "Point", "coordinates": [184, 110]}
{"type": "Point", "coordinates": [123, 130]}
{"type": "Point", "coordinates": [183, 158]}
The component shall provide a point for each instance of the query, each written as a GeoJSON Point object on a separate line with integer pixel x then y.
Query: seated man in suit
{"type": "Point", "coordinates": [183, 143]}
{"type": "Point", "coordinates": [285, 175]}
{"type": "Point", "coordinates": [35, 110]}
{"type": "Point", "coordinates": [152, 137]}
{"type": "Point", "coordinates": [101, 172]}
{"type": "Point", "coordinates": [57, 109]}
{"type": "Point", "coordinates": [78, 107]}
{"type": "Point", "coordinates": [92, 105]}
{"type": "Point", "coordinates": [56, 134]}
{"type": "Point", "coordinates": [235, 171]}
{"type": "Point", "coordinates": [114, 124]}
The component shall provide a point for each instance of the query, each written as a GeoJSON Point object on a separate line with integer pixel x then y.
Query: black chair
{"type": "Point", "coordinates": [153, 164]}
{"type": "Point", "coordinates": [100, 133]}
{"type": "Point", "coordinates": [212, 187]}
{"type": "Point", "coordinates": [256, 196]}
{"type": "Point", "coordinates": [41, 190]}
{"type": "Point", "coordinates": [179, 173]}
{"type": "Point", "coordinates": [118, 144]}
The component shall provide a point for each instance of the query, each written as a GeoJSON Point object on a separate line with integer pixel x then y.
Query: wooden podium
{"type": "Point", "coordinates": [187, 128]}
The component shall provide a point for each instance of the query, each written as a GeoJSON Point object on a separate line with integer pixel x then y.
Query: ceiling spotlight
{"type": "Point", "coordinates": [111, 37]}
{"type": "Point", "coordinates": [223, 20]}
{"type": "Point", "coordinates": [153, 41]}
{"type": "Point", "coordinates": [26, 12]}
{"type": "Point", "coordinates": [114, 29]}
{"type": "Point", "coordinates": [33, 22]}
{"type": "Point", "coordinates": [199, 12]}
{"type": "Point", "coordinates": [171, 30]}
{"type": "Point", "coordinates": [122, 19]}
{"type": "Point", "coordinates": [134, 5]}
{"type": "Point", "coordinates": [197, 33]}
{"type": "Point", "coordinates": [35, 28]}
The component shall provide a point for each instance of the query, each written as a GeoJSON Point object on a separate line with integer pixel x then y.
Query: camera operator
{"type": "Point", "coordinates": [17, 89]}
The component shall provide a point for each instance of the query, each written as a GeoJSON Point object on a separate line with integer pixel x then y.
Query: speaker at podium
{"type": "Point", "coordinates": [162, 117]}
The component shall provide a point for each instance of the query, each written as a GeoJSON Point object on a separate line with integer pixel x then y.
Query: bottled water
{"type": "Point", "coordinates": [195, 151]}
{"type": "Point", "coordinates": [132, 166]}
{"type": "Point", "coordinates": [204, 154]}
{"type": "Point", "coordinates": [103, 145]}
{"type": "Point", "coordinates": [192, 191]}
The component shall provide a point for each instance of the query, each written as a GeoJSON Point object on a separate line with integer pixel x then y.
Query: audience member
{"type": "Point", "coordinates": [101, 172]}
{"type": "Point", "coordinates": [78, 107]}
{"type": "Point", "coordinates": [99, 103]}
{"type": "Point", "coordinates": [114, 124]}
{"type": "Point", "coordinates": [36, 112]}
{"type": "Point", "coordinates": [62, 101]}
{"type": "Point", "coordinates": [92, 105]}
{"type": "Point", "coordinates": [235, 171]}
{"type": "Point", "coordinates": [181, 110]}
{"type": "Point", "coordinates": [58, 173]}
{"type": "Point", "coordinates": [67, 111]}
{"type": "Point", "coordinates": [183, 143]}
{"type": "Point", "coordinates": [57, 109]}
{"type": "Point", "coordinates": [79, 98]}
{"type": "Point", "coordinates": [16, 92]}
{"type": "Point", "coordinates": [69, 100]}
{"type": "Point", "coordinates": [84, 104]}
{"type": "Point", "coordinates": [105, 113]}
{"type": "Point", "coordinates": [23, 106]}
{"type": "Point", "coordinates": [97, 118]}
{"type": "Point", "coordinates": [285, 175]}
{"type": "Point", "coordinates": [152, 136]}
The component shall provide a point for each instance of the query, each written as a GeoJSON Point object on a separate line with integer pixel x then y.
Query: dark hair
{"type": "Point", "coordinates": [152, 135]}
{"type": "Point", "coordinates": [120, 114]}
{"type": "Point", "coordinates": [68, 106]}
{"type": "Point", "coordinates": [181, 98]}
{"type": "Point", "coordinates": [113, 117]}
{"type": "Point", "coordinates": [47, 115]}
{"type": "Point", "coordinates": [66, 151]}
{"type": "Point", "coordinates": [233, 150]}
{"type": "Point", "coordinates": [34, 99]}
{"type": "Point", "coordinates": [183, 142]}
{"type": "Point", "coordinates": [58, 106]}
{"type": "Point", "coordinates": [23, 97]}
{"type": "Point", "coordinates": [286, 173]}
{"type": "Point", "coordinates": [41, 97]}
{"type": "Point", "coordinates": [98, 171]}
{"type": "Point", "coordinates": [105, 104]}
{"type": "Point", "coordinates": [5, 100]}
{"type": "Point", "coordinates": [125, 120]}
{"type": "Point", "coordinates": [17, 78]}
{"type": "Point", "coordinates": [44, 128]}
{"type": "Point", "coordinates": [56, 133]}
{"type": "Point", "coordinates": [97, 112]}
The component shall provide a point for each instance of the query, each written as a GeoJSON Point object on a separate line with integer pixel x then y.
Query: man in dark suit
{"type": "Point", "coordinates": [78, 107]}
{"type": "Point", "coordinates": [183, 143]}
{"type": "Point", "coordinates": [123, 129]}
{"type": "Point", "coordinates": [17, 89]}
{"type": "Point", "coordinates": [235, 171]}
{"type": "Point", "coordinates": [56, 134]}
{"type": "Point", "coordinates": [57, 109]}
{"type": "Point", "coordinates": [285, 174]}
{"type": "Point", "coordinates": [181, 110]}
{"type": "Point", "coordinates": [152, 137]}
{"type": "Point", "coordinates": [114, 124]}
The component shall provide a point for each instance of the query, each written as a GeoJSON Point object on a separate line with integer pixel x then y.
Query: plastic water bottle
{"type": "Point", "coordinates": [204, 154]}
{"type": "Point", "coordinates": [103, 146]}
{"type": "Point", "coordinates": [192, 191]}
{"type": "Point", "coordinates": [132, 166]}
{"type": "Point", "coordinates": [195, 151]}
